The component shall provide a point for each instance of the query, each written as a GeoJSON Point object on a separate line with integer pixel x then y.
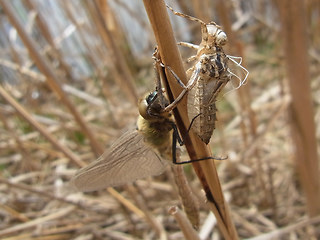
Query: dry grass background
{"type": "Point", "coordinates": [71, 96]}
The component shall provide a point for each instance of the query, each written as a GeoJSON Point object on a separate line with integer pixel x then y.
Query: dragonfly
{"type": "Point", "coordinates": [140, 152]}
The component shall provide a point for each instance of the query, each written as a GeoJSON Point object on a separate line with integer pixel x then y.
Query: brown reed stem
{"type": "Point", "coordinates": [119, 66]}
{"type": "Point", "coordinates": [295, 36]}
{"type": "Point", "coordinates": [189, 201]}
{"type": "Point", "coordinates": [206, 171]}
{"type": "Point", "coordinates": [44, 28]}
{"type": "Point", "coordinates": [185, 226]}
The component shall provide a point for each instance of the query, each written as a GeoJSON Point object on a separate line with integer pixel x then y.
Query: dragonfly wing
{"type": "Point", "coordinates": [128, 159]}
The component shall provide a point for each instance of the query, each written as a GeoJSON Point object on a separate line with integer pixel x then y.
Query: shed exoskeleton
{"type": "Point", "coordinates": [207, 77]}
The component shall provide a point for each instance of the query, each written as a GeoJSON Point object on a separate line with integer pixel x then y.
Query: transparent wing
{"type": "Point", "coordinates": [128, 159]}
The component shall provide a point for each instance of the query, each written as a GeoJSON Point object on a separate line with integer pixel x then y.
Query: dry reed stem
{"type": "Point", "coordinates": [244, 93]}
{"type": "Point", "coordinates": [294, 30]}
{"type": "Point", "coordinates": [119, 68]}
{"type": "Point", "coordinates": [201, 10]}
{"type": "Point", "coordinates": [40, 77]}
{"type": "Point", "coordinates": [256, 141]}
{"type": "Point", "coordinates": [21, 217]}
{"type": "Point", "coordinates": [206, 171]}
{"type": "Point", "coordinates": [119, 34]}
{"type": "Point", "coordinates": [82, 34]}
{"type": "Point", "coordinates": [51, 77]}
{"type": "Point", "coordinates": [135, 16]}
{"type": "Point", "coordinates": [102, 217]}
{"type": "Point", "coordinates": [47, 195]}
{"type": "Point", "coordinates": [20, 146]}
{"type": "Point", "coordinates": [67, 7]}
{"type": "Point", "coordinates": [278, 234]}
{"type": "Point", "coordinates": [26, 139]}
{"type": "Point", "coordinates": [122, 72]}
{"type": "Point", "coordinates": [187, 229]}
{"type": "Point", "coordinates": [23, 113]}
{"type": "Point", "coordinates": [58, 214]}
{"type": "Point", "coordinates": [143, 212]}
{"type": "Point", "coordinates": [126, 202]}
{"type": "Point", "coordinates": [44, 29]}
{"type": "Point", "coordinates": [244, 96]}
{"type": "Point", "coordinates": [189, 201]}
{"type": "Point", "coordinates": [157, 227]}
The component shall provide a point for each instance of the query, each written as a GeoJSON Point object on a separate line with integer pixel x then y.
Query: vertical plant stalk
{"type": "Point", "coordinates": [294, 29]}
{"type": "Point", "coordinates": [118, 33]}
{"type": "Point", "coordinates": [120, 69]}
{"type": "Point", "coordinates": [187, 230]}
{"type": "Point", "coordinates": [244, 96]}
{"type": "Point", "coordinates": [44, 28]}
{"type": "Point", "coordinates": [94, 55]}
{"type": "Point", "coordinates": [189, 201]}
{"type": "Point", "coordinates": [147, 215]}
{"type": "Point", "coordinates": [206, 171]}
{"type": "Point", "coordinates": [201, 9]}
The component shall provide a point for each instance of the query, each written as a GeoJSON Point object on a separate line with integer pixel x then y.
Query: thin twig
{"type": "Point", "coordinates": [188, 231]}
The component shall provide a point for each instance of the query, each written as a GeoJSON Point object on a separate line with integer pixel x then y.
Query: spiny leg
{"type": "Point", "coordinates": [211, 28]}
{"type": "Point", "coordinates": [189, 45]}
{"type": "Point", "coordinates": [176, 137]}
{"type": "Point", "coordinates": [158, 68]}
{"type": "Point", "coordinates": [192, 81]}
{"type": "Point", "coordinates": [192, 46]}
{"type": "Point", "coordinates": [204, 29]}
{"type": "Point", "coordinates": [201, 159]}
{"type": "Point", "coordinates": [185, 16]}
{"type": "Point", "coordinates": [158, 64]}
{"type": "Point", "coordinates": [157, 80]}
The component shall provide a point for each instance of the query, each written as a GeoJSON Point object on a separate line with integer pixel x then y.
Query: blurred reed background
{"type": "Point", "coordinates": [71, 75]}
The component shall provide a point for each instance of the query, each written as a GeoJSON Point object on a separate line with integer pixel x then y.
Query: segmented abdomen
{"type": "Point", "coordinates": [204, 124]}
{"type": "Point", "coordinates": [211, 75]}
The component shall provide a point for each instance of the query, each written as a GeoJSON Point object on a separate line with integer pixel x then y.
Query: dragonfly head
{"type": "Point", "coordinates": [151, 106]}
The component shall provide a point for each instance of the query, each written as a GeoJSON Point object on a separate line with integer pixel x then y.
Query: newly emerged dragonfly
{"type": "Point", "coordinates": [138, 153]}
{"type": "Point", "coordinates": [207, 77]}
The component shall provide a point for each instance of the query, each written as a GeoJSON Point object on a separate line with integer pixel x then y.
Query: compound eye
{"type": "Point", "coordinates": [151, 97]}
{"type": "Point", "coordinates": [143, 108]}
{"type": "Point", "coordinates": [221, 38]}
{"type": "Point", "coordinates": [146, 105]}
{"type": "Point", "coordinates": [219, 35]}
